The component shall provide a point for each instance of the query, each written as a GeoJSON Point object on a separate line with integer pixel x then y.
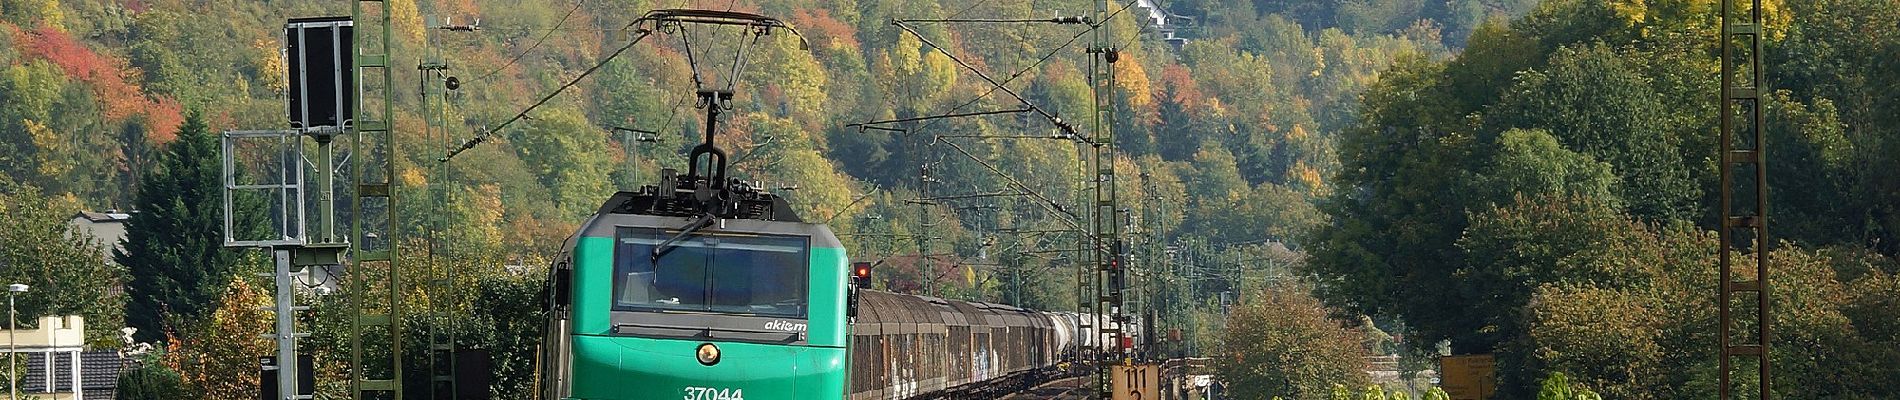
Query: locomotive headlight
{"type": "Point", "coordinates": [708, 354]}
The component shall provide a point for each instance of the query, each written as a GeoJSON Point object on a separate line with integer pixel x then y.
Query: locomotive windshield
{"type": "Point", "coordinates": [756, 275]}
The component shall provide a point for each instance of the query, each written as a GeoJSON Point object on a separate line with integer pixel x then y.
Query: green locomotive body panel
{"type": "Point", "coordinates": [620, 353]}
{"type": "Point", "coordinates": [615, 368]}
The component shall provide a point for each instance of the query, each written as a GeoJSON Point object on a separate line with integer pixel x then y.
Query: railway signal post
{"type": "Point", "coordinates": [322, 99]}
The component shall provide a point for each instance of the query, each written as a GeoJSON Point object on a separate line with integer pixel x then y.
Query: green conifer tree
{"type": "Point", "coordinates": [174, 242]}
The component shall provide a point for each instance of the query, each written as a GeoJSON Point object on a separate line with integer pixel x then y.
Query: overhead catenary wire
{"type": "Point", "coordinates": [874, 124]}
{"type": "Point", "coordinates": [1041, 137]}
{"type": "Point", "coordinates": [691, 60]}
{"type": "Point", "coordinates": [537, 43]}
{"type": "Point", "coordinates": [935, 199]}
{"type": "Point", "coordinates": [484, 136]}
{"type": "Point", "coordinates": [973, 5]}
{"type": "Point", "coordinates": [1068, 218]}
{"type": "Point", "coordinates": [660, 19]}
{"type": "Point", "coordinates": [854, 203]}
{"type": "Point", "coordinates": [1053, 119]}
{"type": "Point", "coordinates": [1052, 205]}
{"type": "Point", "coordinates": [1055, 20]}
{"type": "Point", "coordinates": [1032, 66]}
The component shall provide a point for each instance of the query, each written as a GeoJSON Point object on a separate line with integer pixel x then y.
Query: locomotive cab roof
{"type": "Point", "coordinates": [693, 198]}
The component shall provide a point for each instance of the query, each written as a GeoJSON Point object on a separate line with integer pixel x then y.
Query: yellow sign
{"type": "Point", "coordinates": [1137, 382]}
{"type": "Point", "coordinates": [1471, 377]}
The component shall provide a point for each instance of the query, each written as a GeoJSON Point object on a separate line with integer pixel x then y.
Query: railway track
{"type": "Point", "coordinates": [1064, 389]}
{"type": "Point", "coordinates": [1075, 387]}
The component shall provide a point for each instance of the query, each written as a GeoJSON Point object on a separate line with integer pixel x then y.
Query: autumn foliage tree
{"type": "Point", "coordinates": [65, 267]}
{"type": "Point", "coordinates": [1283, 343]}
{"type": "Point", "coordinates": [217, 360]}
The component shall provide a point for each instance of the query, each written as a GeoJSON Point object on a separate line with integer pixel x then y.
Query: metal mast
{"type": "Point", "coordinates": [1151, 278]}
{"type": "Point", "coordinates": [926, 272]}
{"type": "Point", "coordinates": [375, 277]}
{"type": "Point", "coordinates": [1745, 214]}
{"type": "Point", "coordinates": [439, 292]}
{"type": "Point", "coordinates": [1084, 262]}
{"type": "Point", "coordinates": [1107, 247]}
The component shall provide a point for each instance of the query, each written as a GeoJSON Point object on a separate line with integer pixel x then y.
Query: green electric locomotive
{"type": "Point", "coordinates": [649, 305]}
{"type": "Point", "coordinates": [704, 287]}
{"type": "Point", "coordinates": [675, 308]}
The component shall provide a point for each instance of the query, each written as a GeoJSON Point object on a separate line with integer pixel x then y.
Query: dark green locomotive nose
{"type": "Point", "coordinates": [625, 368]}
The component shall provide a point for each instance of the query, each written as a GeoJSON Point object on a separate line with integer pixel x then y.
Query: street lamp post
{"type": "Point", "coordinates": [12, 345]}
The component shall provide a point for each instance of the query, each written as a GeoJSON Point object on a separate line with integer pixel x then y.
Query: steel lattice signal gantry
{"type": "Point", "coordinates": [1107, 246]}
{"type": "Point", "coordinates": [374, 277]}
{"type": "Point", "coordinates": [1744, 324]}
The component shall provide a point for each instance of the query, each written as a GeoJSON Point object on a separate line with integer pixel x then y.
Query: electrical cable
{"type": "Point", "coordinates": [739, 60]}
{"type": "Point", "coordinates": [972, 6]}
{"type": "Point", "coordinates": [310, 271]}
{"type": "Point", "coordinates": [1052, 205]}
{"type": "Point", "coordinates": [1057, 20]}
{"type": "Point", "coordinates": [1045, 201]}
{"type": "Point", "coordinates": [672, 114]}
{"type": "Point", "coordinates": [1053, 119]}
{"type": "Point", "coordinates": [691, 61]}
{"type": "Point", "coordinates": [537, 43]}
{"type": "Point", "coordinates": [484, 136]}
{"type": "Point", "coordinates": [1039, 62]}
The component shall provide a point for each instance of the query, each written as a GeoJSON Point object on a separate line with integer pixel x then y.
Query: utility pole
{"type": "Point", "coordinates": [925, 272]}
{"type": "Point", "coordinates": [1108, 246]}
{"type": "Point", "coordinates": [375, 273]}
{"type": "Point", "coordinates": [1084, 264]}
{"type": "Point", "coordinates": [859, 238]}
{"type": "Point", "coordinates": [1016, 285]}
{"type": "Point", "coordinates": [1151, 284]}
{"type": "Point", "coordinates": [440, 322]}
{"type": "Point", "coordinates": [1240, 275]}
{"type": "Point", "coordinates": [1744, 230]}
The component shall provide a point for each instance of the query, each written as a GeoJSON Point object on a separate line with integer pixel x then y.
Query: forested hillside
{"type": "Point", "coordinates": [1549, 195]}
{"type": "Point", "coordinates": [1228, 138]}
{"type": "Point", "coordinates": [1534, 180]}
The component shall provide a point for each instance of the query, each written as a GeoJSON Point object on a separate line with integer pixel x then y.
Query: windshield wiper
{"type": "Point", "coordinates": [668, 245]}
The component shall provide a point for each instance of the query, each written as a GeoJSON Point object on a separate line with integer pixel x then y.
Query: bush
{"type": "Point", "coordinates": [1282, 343]}
{"type": "Point", "coordinates": [149, 379]}
{"type": "Point", "coordinates": [1558, 387]}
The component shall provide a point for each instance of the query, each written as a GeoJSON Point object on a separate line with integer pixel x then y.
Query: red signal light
{"type": "Point", "coordinates": [861, 274]}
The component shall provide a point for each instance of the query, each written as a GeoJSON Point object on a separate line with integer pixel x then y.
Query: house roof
{"type": "Point", "coordinates": [98, 373]}
{"type": "Point", "coordinates": [107, 216]}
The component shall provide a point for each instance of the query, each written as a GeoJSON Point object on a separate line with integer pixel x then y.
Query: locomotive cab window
{"type": "Point", "coordinates": [730, 274]}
